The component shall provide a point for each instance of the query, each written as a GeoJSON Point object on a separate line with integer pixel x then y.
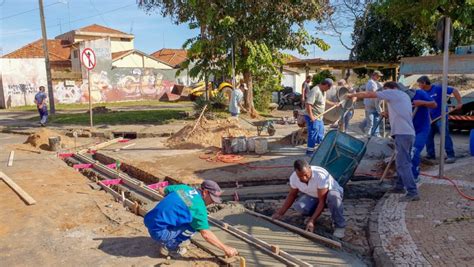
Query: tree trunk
{"type": "Point", "coordinates": [249, 82]}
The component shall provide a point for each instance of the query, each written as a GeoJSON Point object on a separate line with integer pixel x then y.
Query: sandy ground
{"type": "Point", "coordinates": [71, 224]}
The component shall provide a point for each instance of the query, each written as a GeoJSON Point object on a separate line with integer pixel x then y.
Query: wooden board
{"type": "Point", "coordinates": [10, 159]}
{"type": "Point", "coordinates": [25, 196]}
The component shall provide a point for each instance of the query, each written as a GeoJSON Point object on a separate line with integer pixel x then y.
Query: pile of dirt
{"type": "Point", "coordinates": [207, 134]}
{"type": "Point", "coordinates": [40, 139]}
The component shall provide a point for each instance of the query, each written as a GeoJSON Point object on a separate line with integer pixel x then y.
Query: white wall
{"type": "Point", "coordinates": [136, 60]}
{"type": "Point", "coordinates": [117, 45]}
{"type": "Point", "coordinates": [21, 78]}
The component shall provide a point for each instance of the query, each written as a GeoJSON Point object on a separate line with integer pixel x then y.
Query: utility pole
{"type": "Point", "coordinates": [52, 109]}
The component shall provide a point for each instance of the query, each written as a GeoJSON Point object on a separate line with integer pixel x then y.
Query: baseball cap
{"type": "Point", "coordinates": [328, 81]}
{"type": "Point", "coordinates": [378, 73]}
{"type": "Point", "coordinates": [214, 189]}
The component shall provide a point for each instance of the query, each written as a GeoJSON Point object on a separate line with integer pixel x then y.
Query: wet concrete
{"type": "Point", "coordinates": [294, 244]}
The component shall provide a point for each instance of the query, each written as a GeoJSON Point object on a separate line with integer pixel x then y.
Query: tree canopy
{"type": "Point", "coordinates": [256, 30]}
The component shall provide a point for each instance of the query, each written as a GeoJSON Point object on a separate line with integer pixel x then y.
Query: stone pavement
{"type": "Point", "coordinates": [438, 230]}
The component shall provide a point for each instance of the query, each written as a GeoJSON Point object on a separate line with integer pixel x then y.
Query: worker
{"type": "Point", "coordinates": [318, 189]}
{"type": "Point", "coordinates": [40, 101]}
{"type": "Point", "coordinates": [236, 99]}
{"type": "Point", "coordinates": [372, 106]}
{"type": "Point", "coordinates": [436, 92]}
{"type": "Point", "coordinates": [344, 124]}
{"type": "Point", "coordinates": [305, 88]}
{"type": "Point", "coordinates": [422, 102]}
{"type": "Point", "coordinates": [403, 131]}
{"type": "Point", "coordinates": [180, 214]}
{"type": "Point", "coordinates": [315, 106]}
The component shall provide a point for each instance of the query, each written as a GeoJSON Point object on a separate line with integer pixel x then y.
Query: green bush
{"type": "Point", "coordinates": [215, 104]}
{"type": "Point", "coordinates": [320, 76]}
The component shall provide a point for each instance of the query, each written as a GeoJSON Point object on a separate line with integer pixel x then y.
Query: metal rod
{"type": "Point", "coordinates": [447, 26]}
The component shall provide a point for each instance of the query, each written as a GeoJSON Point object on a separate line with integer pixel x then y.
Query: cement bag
{"type": "Point", "coordinates": [251, 144]}
{"type": "Point", "coordinates": [261, 145]}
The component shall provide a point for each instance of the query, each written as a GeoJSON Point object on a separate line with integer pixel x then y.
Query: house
{"type": "Point", "coordinates": [59, 53]}
{"type": "Point", "coordinates": [64, 50]}
{"type": "Point", "coordinates": [172, 57]}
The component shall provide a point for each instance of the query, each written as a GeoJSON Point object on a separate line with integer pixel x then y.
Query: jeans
{"type": "Point", "coordinates": [307, 205]}
{"type": "Point", "coordinates": [233, 114]}
{"type": "Point", "coordinates": [43, 112]}
{"type": "Point", "coordinates": [172, 236]}
{"type": "Point", "coordinates": [430, 145]}
{"type": "Point", "coordinates": [420, 142]}
{"type": "Point", "coordinates": [315, 133]}
{"type": "Point", "coordinates": [372, 118]}
{"type": "Point", "coordinates": [403, 145]}
{"type": "Point", "coordinates": [347, 118]}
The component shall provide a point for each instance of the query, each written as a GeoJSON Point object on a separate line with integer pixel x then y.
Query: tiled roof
{"type": "Point", "coordinates": [119, 54]}
{"type": "Point", "coordinates": [59, 50]}
{"type": "Point", "coordinates": [99, 28]}
{"type": "Point", "coordinates": [172, 57]}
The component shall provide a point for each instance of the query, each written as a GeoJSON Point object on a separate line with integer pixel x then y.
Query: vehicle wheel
{"type": "Point", "coordinates": [227, 92]}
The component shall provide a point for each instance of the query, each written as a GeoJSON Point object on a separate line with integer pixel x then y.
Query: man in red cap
{"type": "Point", "coordinates": [182, 213]}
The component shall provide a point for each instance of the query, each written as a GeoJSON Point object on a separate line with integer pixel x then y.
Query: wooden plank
{"type": "Point", "coordinates": [10, 159]}
{"type": "Point", "coordinates": [101, 145]}
{"type": "Point", "coordinates": [300, 231]}
{"type": "Point", "coordinates": [25, 196]}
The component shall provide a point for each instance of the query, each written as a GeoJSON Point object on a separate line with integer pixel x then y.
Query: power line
{"type": "Point", "coordinates": [76, 20]}
{"type": "Point", "coordinates": [27, 11]}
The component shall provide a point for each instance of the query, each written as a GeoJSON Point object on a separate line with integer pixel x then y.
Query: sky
{"type": "Point", "coordinates": [20, 25]}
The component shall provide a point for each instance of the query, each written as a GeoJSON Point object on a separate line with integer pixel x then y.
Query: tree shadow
{"type": "Point", "coordinates": [137, 246]}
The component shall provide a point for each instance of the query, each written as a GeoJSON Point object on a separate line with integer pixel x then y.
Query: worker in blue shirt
{"type": "Point", "coordinates": [422, 102]}
{"type": "Point", "coordinates": [180, 214]}
{"type": "Point", "coordinates": [435, 92]}
{"type": "Point", "coordinates": [40, 101]}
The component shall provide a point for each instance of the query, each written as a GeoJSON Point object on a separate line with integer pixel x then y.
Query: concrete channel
{"type": "Point", "coordinates": [304, 250]}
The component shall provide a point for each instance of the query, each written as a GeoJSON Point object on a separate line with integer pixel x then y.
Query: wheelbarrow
{"type": "Point", "coordinates": [262, 126]}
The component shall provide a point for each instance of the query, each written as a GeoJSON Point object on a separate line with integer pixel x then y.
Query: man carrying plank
{"type": "Point", "coordinates": [182, 213]}
{"type": "Point", "coordinates": [318, 189]}
{"type": "Point", "coordinates": [436, 92]}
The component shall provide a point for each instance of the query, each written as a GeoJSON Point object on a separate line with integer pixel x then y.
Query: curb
{"type": "Point", "coordinates": [379, 255]}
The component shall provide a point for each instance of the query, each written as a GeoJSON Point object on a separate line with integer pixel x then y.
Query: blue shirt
{"type": "Point", "coordinates": [40, 97]}
{"type": "Point", "coordinates": [436, 92]}
{"type": "Point", "coordinates": [182, 205]}
{"type": "Point", "coordinates": [421, 120]}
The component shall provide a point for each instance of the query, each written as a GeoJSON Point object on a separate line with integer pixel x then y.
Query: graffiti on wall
{"type": "Point", "coordinates": [119, 84]}
{"type": "Point", "coordinates": [21, 79]}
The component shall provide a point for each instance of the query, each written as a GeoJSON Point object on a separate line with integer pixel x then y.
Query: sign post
{"type": "Point", "coordinates": [447, 27]}
{"type": "Point", "coordinates": [89, 61]}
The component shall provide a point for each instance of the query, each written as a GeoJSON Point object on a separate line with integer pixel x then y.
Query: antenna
{"type": "Point", "coordinates": [131, 27]}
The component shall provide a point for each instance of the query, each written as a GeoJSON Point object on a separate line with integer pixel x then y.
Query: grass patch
{"type": "Point", "coordinates": [143, 103]}
{"type": "Point", "coordinates": [162, 116]}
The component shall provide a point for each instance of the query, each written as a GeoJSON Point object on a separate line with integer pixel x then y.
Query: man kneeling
{"type": "Point", "coordinates": [318, 189]}
{"type": "Point", "coordinates": [180, 214]}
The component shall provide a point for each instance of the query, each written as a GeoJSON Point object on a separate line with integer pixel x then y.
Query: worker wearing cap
{"type": "Point", "coordinates": [236, 99]}
{"type": "Point", "coordinates": [182, 213]}
{"type": "Point", "coordinates": [372, 106]}
{"type": "Point", "coordinates": [436, 92]}
{"type": "Point", "coordinates": [315, 106]}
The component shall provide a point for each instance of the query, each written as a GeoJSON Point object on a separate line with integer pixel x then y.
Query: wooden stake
{"type": "Point", "coordinates": [10, 159]}
{"type": "Point", "coordinates": [197, 122]}
{"type": "Point", "coordinates": [25, 196]}
{"type": "Point", "coordinates": [385, 172]}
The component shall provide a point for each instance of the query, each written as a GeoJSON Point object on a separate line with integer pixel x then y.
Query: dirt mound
{"type": "Point", "coordinates": [39, 139]}
{"type": "Point", "coordinates": [207, 134]}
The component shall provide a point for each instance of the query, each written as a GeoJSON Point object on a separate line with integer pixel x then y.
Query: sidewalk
{"type": "Point", "coordinates": [438, 230]}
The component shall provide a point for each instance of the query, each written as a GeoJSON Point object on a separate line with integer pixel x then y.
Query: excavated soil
{"type": "Point", "coordinates": [39, 139]}
{"type": "Point", "coordinates": [208, 133]}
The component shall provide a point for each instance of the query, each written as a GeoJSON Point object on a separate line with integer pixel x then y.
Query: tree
{"type": "Point", "coordinates": [423, 16]}
{"type": "Point", "coordinates": [256, 30]}
{"type": "Point", "coordinates": [384, 40]}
